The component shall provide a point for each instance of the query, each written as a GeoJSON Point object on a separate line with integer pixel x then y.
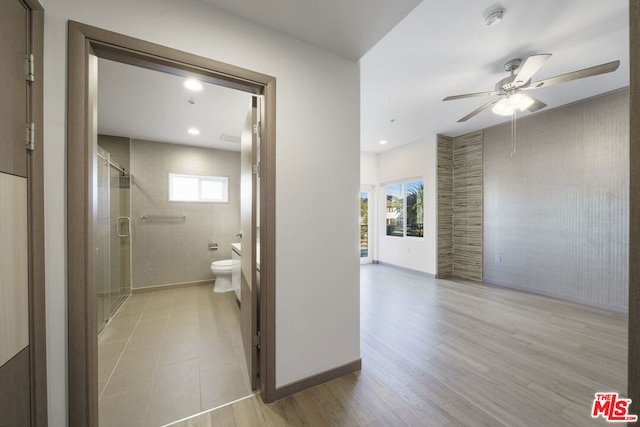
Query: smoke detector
{"type": "Point", "coordinates": [494, 17]}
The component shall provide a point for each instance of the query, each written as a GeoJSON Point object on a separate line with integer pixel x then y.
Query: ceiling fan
{"type": "Point", "coordinates": [511, 90]}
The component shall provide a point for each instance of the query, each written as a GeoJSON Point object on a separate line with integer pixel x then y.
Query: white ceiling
{"type": "Point", "coordinates": [143, 104]}
{"type": "Point", "coordinates": [347, 27]}
{"type": "Point", "coordinates": [437, 48]}
{"type": "Point", "coordinates": [444, 48]}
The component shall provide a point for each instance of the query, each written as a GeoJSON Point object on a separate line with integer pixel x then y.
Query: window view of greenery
{"type": "Point", "coordinates": [364, 224]}
{"type": "Point", "coordinates": [395, 210]}
{"type": "Point", "coordinates": [415, 210]}
{"type": "Point", "coordinates": [405, 200]}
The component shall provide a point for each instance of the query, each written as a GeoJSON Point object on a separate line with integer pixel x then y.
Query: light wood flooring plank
{"type": "Point", "coordinates": [458, 353]}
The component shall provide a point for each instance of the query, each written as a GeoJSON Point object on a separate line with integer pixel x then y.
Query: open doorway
{"type": "Point", "coordinates": [86, 46]}
{"type": "Point", "coordinates": [367, 224]}
{"type": "Point", "coordinates": [169, 196]}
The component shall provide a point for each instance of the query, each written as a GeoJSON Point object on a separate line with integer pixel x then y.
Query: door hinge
{"type": "Point", "coordinates": [256, 340]}
{"type": "Point", "coordinates": [29, 73]}
{"type": "Point", "coordinates": [30, 136]}
{"type": "Point", "coordinates": [256, 169]}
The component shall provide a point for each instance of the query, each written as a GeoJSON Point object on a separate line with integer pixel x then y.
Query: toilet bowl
{"type": "Point", "coordinates": [222, 270]}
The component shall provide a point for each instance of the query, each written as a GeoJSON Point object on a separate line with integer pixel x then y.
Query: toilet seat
{"type": "Point", "coordinates": [225, 265]}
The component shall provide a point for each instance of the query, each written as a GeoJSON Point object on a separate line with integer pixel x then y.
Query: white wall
{"type": "Point", "coordinates": [368, 168]}
{"type": "Point", "coordinates": [418, 159]}
{"type": "Point", "coordinates": [317, 321]}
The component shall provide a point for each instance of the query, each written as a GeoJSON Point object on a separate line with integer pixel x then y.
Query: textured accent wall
{"type": "Point", "coordinates": [168, 252]}
{"type": "Point", "coordinates": [460, 206]}
{"type": "Point", "coordinates": [557, 211]}
{"type": "Point", "coordinates": [467, 206]}
{"type": "Point", "coordinates": [445, 206]}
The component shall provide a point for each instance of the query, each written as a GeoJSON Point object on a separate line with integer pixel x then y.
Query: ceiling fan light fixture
{"type": "Point", "coordinates": [507, 105]}
{"type": "Point", "coordinates": [521, 101]}
{"type": "Point", "coordinates": [503, 107]}
{"type": "Point", "coordinates": [509, 87]}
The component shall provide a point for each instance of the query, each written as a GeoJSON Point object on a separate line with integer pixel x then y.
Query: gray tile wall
{"type": "Point", "coordinates": [557, 211]}
{"type": "Point", "coordinates": [168, 252]}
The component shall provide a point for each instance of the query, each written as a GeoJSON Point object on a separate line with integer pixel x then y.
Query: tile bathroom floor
{"type": "Point", "coordinates": [170, 354]}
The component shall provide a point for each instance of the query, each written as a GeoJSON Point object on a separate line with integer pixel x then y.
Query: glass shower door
{"type": "Point", "coordinates": [103, 241]}
{"type": "Point", "coordinates": [113, 238]}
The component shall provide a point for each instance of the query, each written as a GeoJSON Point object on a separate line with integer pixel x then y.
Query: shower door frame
{"type": "Point", "coordinates": [85, 45]}
{"type": "Point", "coordinates": [113, 231]}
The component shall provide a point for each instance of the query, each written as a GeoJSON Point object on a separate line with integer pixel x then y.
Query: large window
{"type": "Point", "coordinates": [195, 188]}
{"type": "Point", "coordinates": [405, 200]}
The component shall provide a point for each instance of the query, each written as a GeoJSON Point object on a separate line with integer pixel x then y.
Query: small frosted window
{"type": "Point", "coordinates": [213, 190]}
{"type": "Point", "coordinates": [194, 188]}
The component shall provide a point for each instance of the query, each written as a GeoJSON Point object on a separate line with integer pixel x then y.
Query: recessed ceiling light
{"type": "Point", "coordinates": [383, 142]}
{"type": "Point", "coordinates": [192, 84]}
{"type": "Point", "coordinates": [193, 131]}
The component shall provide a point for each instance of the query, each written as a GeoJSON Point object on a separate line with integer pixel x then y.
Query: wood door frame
{"type": "Point", "coordinates": [84, 41]}
{"type": "Point", "coordinates": [35, 201]}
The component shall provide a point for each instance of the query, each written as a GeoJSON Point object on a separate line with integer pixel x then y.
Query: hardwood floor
{"type": "Point", "coordinates": [449, 352]}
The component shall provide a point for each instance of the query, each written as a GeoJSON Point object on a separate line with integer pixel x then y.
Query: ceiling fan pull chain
{"type": "Point", "coordinates": [513, 134]}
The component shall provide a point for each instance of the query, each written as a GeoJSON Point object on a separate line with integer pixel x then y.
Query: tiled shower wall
{"type": "Point", "coordinates": [172, 252]}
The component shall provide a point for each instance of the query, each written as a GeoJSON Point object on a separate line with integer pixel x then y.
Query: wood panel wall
{"type": "Point", "coordinates": [467, 206]}
{"type": "Point", "coordinates": [445, 206]}
{"type": "Point", "coordinates": [460, 206]}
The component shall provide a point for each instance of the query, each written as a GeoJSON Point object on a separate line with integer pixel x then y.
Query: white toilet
{"type": "Point", "coordinates": [222, 270]}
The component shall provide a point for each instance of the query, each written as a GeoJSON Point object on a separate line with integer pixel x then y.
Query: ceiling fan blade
{"type": "Point", "coordinates": [532, 64]}
{"type": "Point", "coordinates": [471, 95]}
{"type": "Point", "coordinates": [580, 74]}
{"type": "Point", "coordinates": [478, 110]}
{"type": "Point", "coordinates": [537, 104]}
